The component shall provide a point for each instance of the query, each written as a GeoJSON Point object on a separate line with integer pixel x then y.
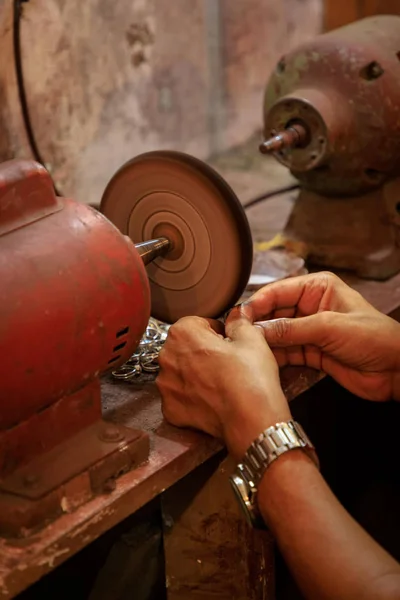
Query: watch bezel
{"type": "Point", "coordinates": [244, 494]}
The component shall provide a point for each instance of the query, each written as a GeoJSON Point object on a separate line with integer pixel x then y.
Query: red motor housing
{"type": "Point", "coordinates": [74, 296]}
{"type": "Point", "coordinates": [74, 302]}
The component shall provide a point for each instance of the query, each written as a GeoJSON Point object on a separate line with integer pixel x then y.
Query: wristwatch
{"type": "Point", "coordinates": [270, 444]}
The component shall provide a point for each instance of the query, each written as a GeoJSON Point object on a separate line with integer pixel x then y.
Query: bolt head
{"type": "Point", "coordinates": [30, 480]}
{"type": "Point", "coordinates": [111, 433]}
{"type": "Point", "coordinates": [110, 485]}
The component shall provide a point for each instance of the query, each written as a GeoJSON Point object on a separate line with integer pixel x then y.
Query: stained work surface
{"type": "Point", "coordinates": [173, 455]}
{"type": "Point", "coordinates": [210, 551]}
{"type": "Point", "coordinates": [108, 80]}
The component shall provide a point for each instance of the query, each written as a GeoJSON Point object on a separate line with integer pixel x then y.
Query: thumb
{"type": "Point", "coordinates": [239, 326]}
{"type": "Point", "coordinates": [296, 332]}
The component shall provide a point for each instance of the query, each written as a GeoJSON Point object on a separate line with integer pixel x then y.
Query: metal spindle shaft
{"type": "Point", "coordinates": [151, 249]}
{"type": "Point", "coordinates": [295, 135]}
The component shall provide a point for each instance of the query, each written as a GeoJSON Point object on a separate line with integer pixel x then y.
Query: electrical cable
{"type": "Point", "coordinates": [269, 195]}
{"type": "Point", "coordinates": [21, 85]}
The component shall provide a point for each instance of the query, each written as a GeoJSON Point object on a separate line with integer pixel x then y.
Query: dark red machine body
{"type": "Point", "coordinates": [80, 301]}
{"type": "Point", "coordinates": [74, 302]}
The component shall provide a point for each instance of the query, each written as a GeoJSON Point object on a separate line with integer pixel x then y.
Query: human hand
{"type": "Point", "coordinates": [318, 321]}
{"type": "Point", "coordinates": [226, 386]}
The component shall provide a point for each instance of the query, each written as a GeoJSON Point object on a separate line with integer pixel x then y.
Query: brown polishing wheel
{"type": "Point", "coordinates": [173, 195]}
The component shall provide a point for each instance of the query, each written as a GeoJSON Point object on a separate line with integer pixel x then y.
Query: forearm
{"type": "Point", "coordinates": [329, 554]}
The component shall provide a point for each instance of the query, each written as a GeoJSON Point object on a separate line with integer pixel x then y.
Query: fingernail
{"type": "Point", "coordinates": [228, 312]}
{"type": "Point", "coordinates": [246, 310]}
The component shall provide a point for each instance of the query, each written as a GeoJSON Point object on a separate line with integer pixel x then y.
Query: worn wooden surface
{"type": "Point", "coordinates": [210, 551]}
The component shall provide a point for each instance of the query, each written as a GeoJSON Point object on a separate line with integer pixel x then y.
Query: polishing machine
{"type": "Point", "coordinates": [75, 300]}
{"type": "Point", "coordinates": [332, 116]}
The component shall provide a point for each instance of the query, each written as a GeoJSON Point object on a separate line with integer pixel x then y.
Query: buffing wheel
{"type": "Point", "coordinates": [173, 195]}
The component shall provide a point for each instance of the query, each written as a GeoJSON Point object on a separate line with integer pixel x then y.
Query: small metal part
{"type": "Point", "coordinates": [152, 249]}
{"type": "Point", "coordinates": [134, 359]}
{"type": "Point", "coordinates": [295, 135]}
{"type": "Point", "coordinates": [145, 358]}
{"type": "Point", "coordinates": [128, 371]}
{"type": "Point", "coordinates": [151, 366]}
{"type": "Point", "coordinates": [164, 335]}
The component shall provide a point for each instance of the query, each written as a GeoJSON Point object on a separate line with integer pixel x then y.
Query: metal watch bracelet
{"type": "Point", "coordinates": [266, 448]}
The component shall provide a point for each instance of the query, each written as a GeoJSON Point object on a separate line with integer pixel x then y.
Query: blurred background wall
{"type": "Point", "coordinates": [108, 79]}
{"type": "Point", "coordinates": [340, 12]}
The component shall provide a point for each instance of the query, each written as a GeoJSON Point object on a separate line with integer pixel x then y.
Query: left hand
{"type": "Point", "coordinates": [318, 321]}
{"type": "Point", "coordinates": [226, 386]}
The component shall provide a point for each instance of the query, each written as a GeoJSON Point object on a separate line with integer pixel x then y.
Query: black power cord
{"type": "Point", "coordinates": [271, 194]}
{"type": "Point", "coordinates": [21, 84]}
{"type": "Point", "coordinates": [20, 80]}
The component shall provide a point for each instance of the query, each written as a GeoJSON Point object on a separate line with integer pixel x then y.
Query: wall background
{"type": "Point", "coordinates": [107, 80]}
{"type": "Point", "coordinates": [341, 12]}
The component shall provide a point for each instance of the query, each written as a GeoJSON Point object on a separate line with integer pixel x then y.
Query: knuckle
{"type": "Point", "coordinates": [183, 322]}
{"type": "Point", "coordinates": [164, 357]}
{"type": "Point", "coordinates": [282, 328]}
{"type": "Point", "coordinates": [166, 388]}
{"type": "Point", "coordinates": [188, 322]}
{"type": "Point", "coordinates": [172, 413]}
{"type": "Point", "coordinates": [328, 319]}
{"type": "Point", "coordinates": [160, 383]}
{"type": "Point", "coordinates": [327, 275]}
{"type": "Point", "coordinates": [168, 413]}
{"type": "Point", "coordinates": [183, 327]}
{"type": "Point", "coordinates": [327, 278]}
{"type": "Point", "coordinates": [325, 318]}
{"type": "Point", "coordinates": [215, 352]}
{"type": "Point", "coordinates": [322, 283]}
{"type": "Point", "coordinates": [174, 331]}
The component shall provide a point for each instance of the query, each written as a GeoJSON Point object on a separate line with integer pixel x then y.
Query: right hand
{"type": "Point", "coordinates": [318, 321]}
{"type": "Point", "coordinates": [226, 386]}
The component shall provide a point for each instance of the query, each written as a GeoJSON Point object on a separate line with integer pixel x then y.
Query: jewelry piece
{"type": "Point", "coordinates": [145, 358]}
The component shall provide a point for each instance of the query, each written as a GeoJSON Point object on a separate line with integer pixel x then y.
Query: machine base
{"type": "Point", "coordinates": [360, 234]}
{"type": "Point", "coordinates": [69, 475]}
{"type": "Point", "coordinates": [60, 459]}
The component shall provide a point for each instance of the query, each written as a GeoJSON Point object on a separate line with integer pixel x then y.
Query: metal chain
{"type": "Point", "coordinates": [145, 357]}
